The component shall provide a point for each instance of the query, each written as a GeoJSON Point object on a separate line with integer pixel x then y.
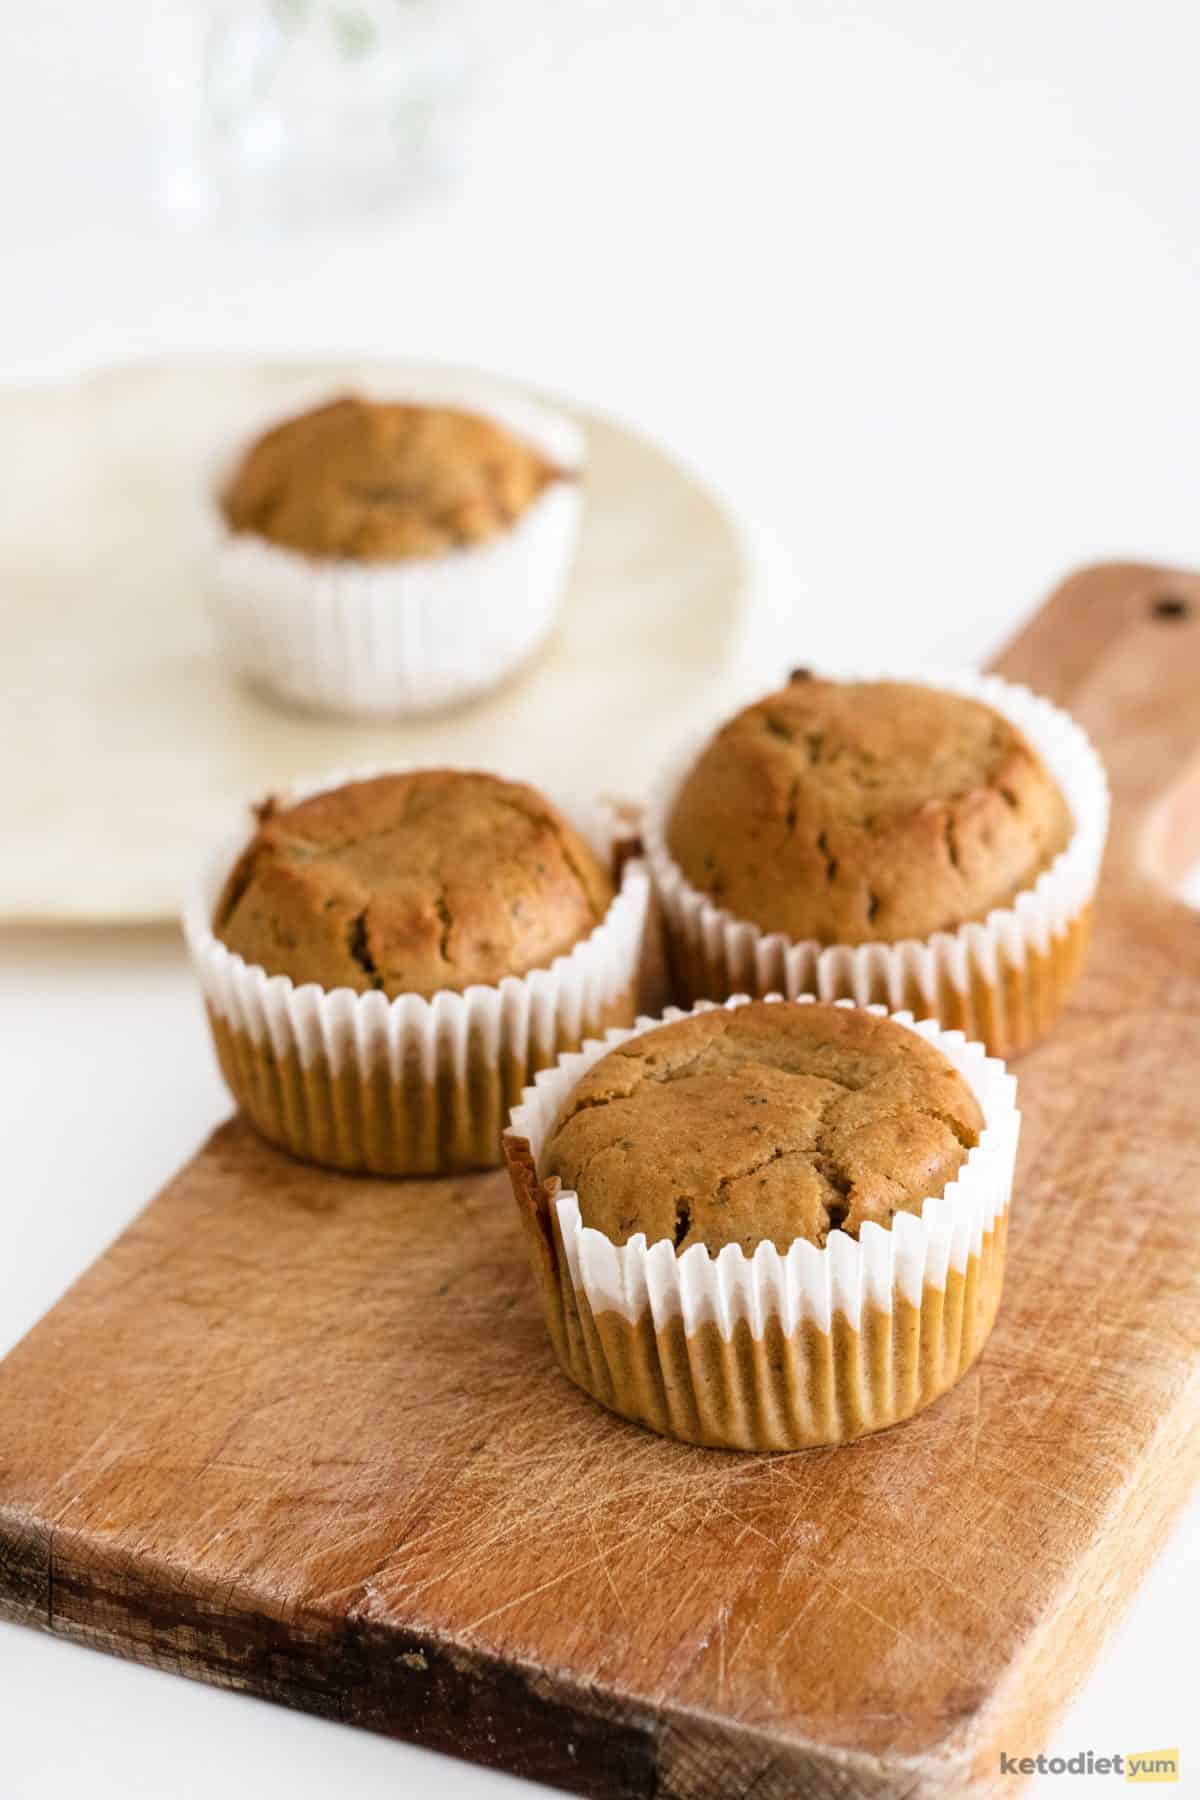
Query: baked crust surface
{"type": "Point", "coordinates": [411, 883]}
{"type": "Point", "coordinates": [764, 1121]}
{"type": "Point", "coordinates": [375, 482]}
{"type": "Point", "coordinates": [866, 812]}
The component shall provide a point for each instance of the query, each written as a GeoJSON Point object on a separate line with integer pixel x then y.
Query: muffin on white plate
{"type": "Point", "coordinates": [390, 557]}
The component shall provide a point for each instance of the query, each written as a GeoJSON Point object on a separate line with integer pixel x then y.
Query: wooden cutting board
{"type": "Point", "coordinates": [302, 1435]}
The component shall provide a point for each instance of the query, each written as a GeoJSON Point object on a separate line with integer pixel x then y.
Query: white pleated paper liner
{"type": "Point", "coordinates": [411, 1085]}
{"type": "Point", "coordinates": [1003, 977]}
{"type": "Point", "coordinates": [416, 634]}
{"type": "Point", "coordinates": [808, 1284]}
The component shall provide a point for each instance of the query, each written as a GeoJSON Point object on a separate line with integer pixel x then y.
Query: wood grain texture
{"type": "Point", "coordinates": [303, 1435]}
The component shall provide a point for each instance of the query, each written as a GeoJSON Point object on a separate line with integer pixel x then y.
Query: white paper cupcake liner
{"type": "Point", "coordinates": [411, 1085]}
{"type": "Point", "coordinates": [410, 636]}
{"type": "Point", "coordinates": [1002, 979]}
{"type": "Point", "coordinates": [773, 1351]}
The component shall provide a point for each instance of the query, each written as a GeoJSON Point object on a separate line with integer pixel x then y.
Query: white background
{"type": "Point", "coordinates": [917, 286]}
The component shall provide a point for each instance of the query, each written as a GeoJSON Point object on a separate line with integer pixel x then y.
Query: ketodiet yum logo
{"type": "Point", "coordinates": [1126, 1765]}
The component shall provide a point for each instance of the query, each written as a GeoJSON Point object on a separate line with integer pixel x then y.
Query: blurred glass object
{"type": "Point", "coordinates": [294, 111]}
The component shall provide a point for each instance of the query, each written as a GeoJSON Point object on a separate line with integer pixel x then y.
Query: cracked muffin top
{"type": "Point", "coordinates": [771, 1120]}
{"type": "Point", "coordinates": [861, 812]}
{"type": "Point", "coordinates": [410, 883]}
{"type": "Point", "coordinates": [373, 482]}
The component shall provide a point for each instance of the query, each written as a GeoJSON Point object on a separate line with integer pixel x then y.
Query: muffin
{"type": "Point", "coordinates": [388, 961]}
{"type": "Point", "coordinates": [374, 482]}
{"type": "Point", "coordinates": [931, 847]}
{"type": "Point", "coordinates": [376, 557]}
{"type": "Point", "coordinates": [770, 1224]}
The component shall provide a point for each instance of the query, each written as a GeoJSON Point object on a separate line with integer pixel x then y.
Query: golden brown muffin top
{"type": "Point", "coordinates": [411, 883]}
{"type": "Point", "coordinates": [771, 1120]}
{"type": "Point", "coordinates": [866, 812]}
{"type": "Point", "coordinates": [379, 482]}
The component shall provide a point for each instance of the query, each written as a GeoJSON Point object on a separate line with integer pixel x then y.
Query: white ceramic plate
{"type": "Point", "coordinates": [126, 737]}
